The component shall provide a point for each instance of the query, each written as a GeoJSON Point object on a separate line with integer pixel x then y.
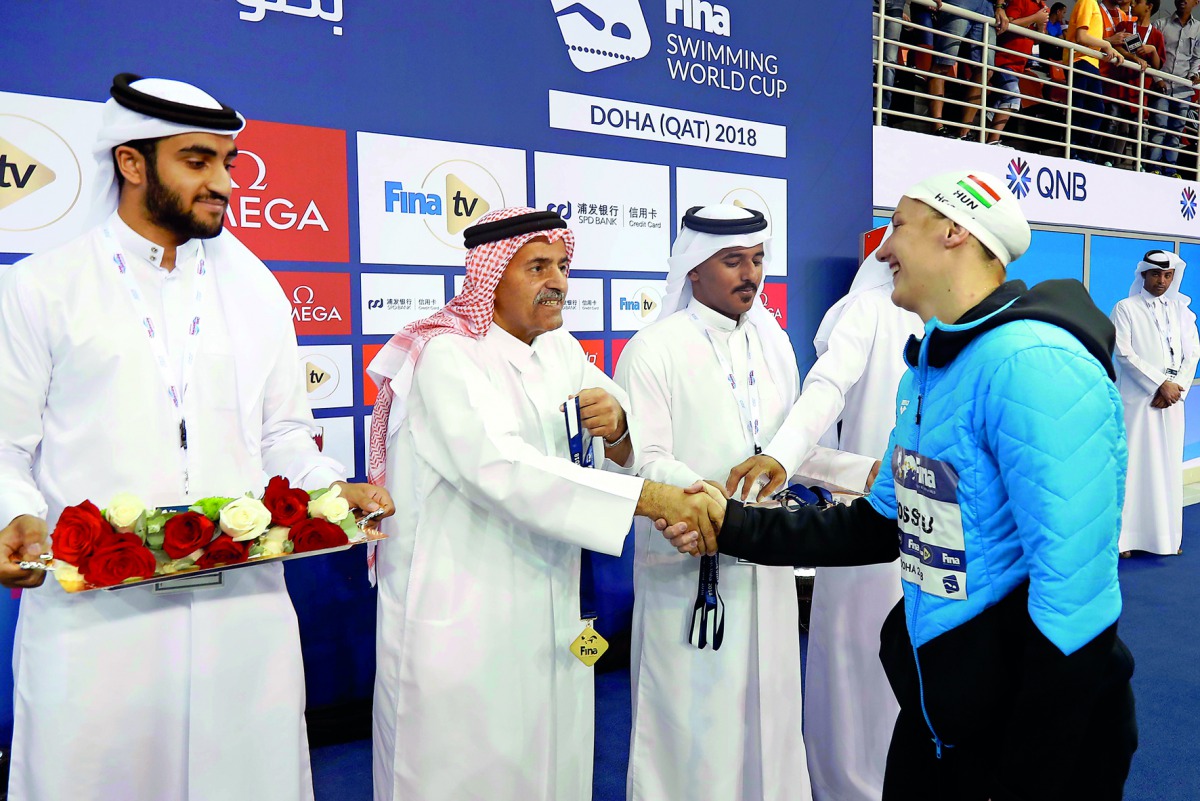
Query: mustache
{"type": "Point", "coordinates": [747, 285]}
{"type": "Point", "coordinates": [214, 196]}
{"type": "Point", "coordinates": [550, 294]}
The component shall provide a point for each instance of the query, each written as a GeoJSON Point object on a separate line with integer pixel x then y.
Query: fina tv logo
{"type": "Point", "coordinates": [1018, 177]}
{"type": "Point", "coordinates": [644, 304]}
{"type": "Point", "coordinates": [445, 199]}
{"type": "Point", "coordinates": [601, 34]}
{"type": "Point", "coordinates": [1187, 204]}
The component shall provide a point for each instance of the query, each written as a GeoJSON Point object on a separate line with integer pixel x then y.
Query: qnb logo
{"type": "Point", "coordinates": [306, 310]}
{"type": "Point", "coordinates": [699, 15]}
{"type": "Point", "coordinates": [1018, 177]}
{"type": "Point", "coordinates": [465, 204]}
{"type": "Point", "coordinates": [602, 33]}
{"type": "Point", "coordinates": [249, 210]}
{"type": "Point", "coordinates": [644, 303]}
{"type": "Point", "coordinates": [20, 174]}
{"type": "Point", "coordinates": [561, 209]}
{"type": "Point", "coordinates": [1187, 204]}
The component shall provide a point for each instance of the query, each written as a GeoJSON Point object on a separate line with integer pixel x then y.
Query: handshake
{"type": "Point", "coordinates": [690, 518]}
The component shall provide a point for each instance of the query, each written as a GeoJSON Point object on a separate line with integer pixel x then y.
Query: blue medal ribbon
{"type": "Point", "coordinates": [584, 458]}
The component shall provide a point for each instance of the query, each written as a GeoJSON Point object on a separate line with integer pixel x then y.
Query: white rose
{"type": "Point", "coordinates": [271, 543]}
{"type": "Point", "coordinates": [123, 511]}
{"type": "Point", "coordinates": [244, 519]}
{"type": "Point", "coordinates": [330, 506]}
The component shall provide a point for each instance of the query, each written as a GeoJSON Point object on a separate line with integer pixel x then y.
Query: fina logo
{"type": "Point", "coordinates": [446, 197]}
{"type": "Point", "coordinates": [602, 33]}
{"type": "Point", "coordinates": [1187, 204]}
{"type": "Point", "coordinates": [1018, 177]}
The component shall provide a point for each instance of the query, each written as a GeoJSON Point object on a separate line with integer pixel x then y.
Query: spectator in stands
{"type": "Point", "coordinates": [1181, 57]}
{"type": "Point", "coordinates": [1151, 51]}
{"type": "Point", "coordinates": [1116, 13]}
{"type": "Point", "coordinates": [962, 37]}
{"type": "Point", "coordinates": [1056, 26]}
{"type": "Point", "coordinates": [895, 14]}
{"type": "Point", "coordinates": [1026, 14]}
{"type": "Point", "coordinates": [1087, 28]}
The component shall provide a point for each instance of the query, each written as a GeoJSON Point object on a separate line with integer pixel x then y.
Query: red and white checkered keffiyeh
{"type": "Point", "coordinates": [468, 314]}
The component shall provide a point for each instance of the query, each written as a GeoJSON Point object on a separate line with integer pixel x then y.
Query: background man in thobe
{"type": "Point", "coordinates": [192, 696]}
{"type": "Point", "coordinates": [476, 692]}
{"type": "Point", "coordinates": [1156, 360]}
{"type": "Point", "coordinates": [847, 402]}
{"type": "Point", "coordinates": [710, 384]}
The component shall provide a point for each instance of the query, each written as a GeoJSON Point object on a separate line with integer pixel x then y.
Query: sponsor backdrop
{"type": "Point", "coordinates": [378, 132]}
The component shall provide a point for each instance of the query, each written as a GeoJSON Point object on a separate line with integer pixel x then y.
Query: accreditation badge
{"type": "Point", "coordinates": [589, 646]}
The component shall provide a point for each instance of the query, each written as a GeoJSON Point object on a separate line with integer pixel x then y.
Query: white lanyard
{"type": "Point", "coordinates": [1107, 16]}
{"type": "Point", "coordinates": [747, 401]}
{"type": "Point", "coordinates": [156, 335]}
{"type": "Point", "coordinates": [1154, 306]}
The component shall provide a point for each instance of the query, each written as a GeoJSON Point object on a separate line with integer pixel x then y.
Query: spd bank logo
{"type": "Point", "coordinates": [451, 198]}
{"type": "Point", "coordinates": [602, 33]}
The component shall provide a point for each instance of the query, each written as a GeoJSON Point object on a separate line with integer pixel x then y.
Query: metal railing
{"type": "Point", "coordinates": [1138, 127]}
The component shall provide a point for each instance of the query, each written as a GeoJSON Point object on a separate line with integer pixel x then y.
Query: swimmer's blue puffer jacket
{"type": "Point", "coordinates": [1002, 486]}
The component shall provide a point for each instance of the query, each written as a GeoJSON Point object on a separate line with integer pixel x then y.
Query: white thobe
{"type": "Point", "coordinates": [185, 697]}
{"type": "Point", "coordinates": [851, 710]}
{"type": "Point", "coordinates": [1152, 518]}
{"type": "Point", "coordinates": [476, 692]}
{"type": "Point", "coordinates": [720, 725]}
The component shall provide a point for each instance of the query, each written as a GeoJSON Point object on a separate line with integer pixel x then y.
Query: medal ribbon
{"type": "Point", "coordinates": [584, 458]}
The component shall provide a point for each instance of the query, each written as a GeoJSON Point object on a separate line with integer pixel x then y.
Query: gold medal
{"type": "Point", "coordinates": [589, 646]}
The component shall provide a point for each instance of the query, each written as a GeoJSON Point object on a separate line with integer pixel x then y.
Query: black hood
{"type": "Point", "coordinates": [1062, 302]}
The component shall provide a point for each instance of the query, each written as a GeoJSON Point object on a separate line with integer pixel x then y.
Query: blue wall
{"type": "Point", "coordinates": [477, 73]}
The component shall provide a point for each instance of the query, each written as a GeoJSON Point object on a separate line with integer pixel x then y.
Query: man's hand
{"type": "Point", "coordinates": [367, 498]}
{"type": "Point", "coordinates": [696, 512]}
{"type": "Point", "coordinates": [600, 414]}
{"type": "Point", "coordinates": [22, 539]}
{"type": "Point", "coordinates": [1002, 20]}
{"type": "Point", "coordinates": [678, 535]}
{"type": "Point", "coordinates": [1146, 51]}
{"type": "Point", "coordinates": [749, 472]}
{"type": "Point", "coordinates": [1170, 393]}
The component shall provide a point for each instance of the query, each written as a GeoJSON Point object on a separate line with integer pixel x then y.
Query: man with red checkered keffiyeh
{"type": "Point", "coordinates": [477, 691]}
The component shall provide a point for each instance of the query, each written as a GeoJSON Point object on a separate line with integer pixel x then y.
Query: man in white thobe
{"type": "Point", "coordinates": [850, 710]}
{"type": "Point", "coordinates": [1156, 354]}
{"type": "Point", "coordinates": [196, 695]}
{"type": "Point", "coordinates": [710, 383]}
{"type": "Point", "coordinates": [477, 693]}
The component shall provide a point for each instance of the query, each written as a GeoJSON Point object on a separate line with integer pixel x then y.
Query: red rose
{"type": "Point", "coordinates": [79, 530]}
{"type": "Point", "coordinates": [287, 506]}
{"type": "Point", "coordinates": [224, 551]}
{"type": "Point", "coordinates": [185, 533]}
{"type": "Point", "coordinates": [315, 535]}
{"type": "Point", "coordinates": [118, 558]}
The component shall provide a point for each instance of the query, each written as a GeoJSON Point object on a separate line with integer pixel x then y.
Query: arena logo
{"type": "Point", "coordinates": [1018, 177]}
{"type": "Point", "coordinates": [279, 207]}
{"type": "Point", "coordinates": [54, 178]}
{"type": "Point", "coordinates": [1187, 204]}
{"type": "Point", "coordinates": [446, 197]}
{"type": "Point", "coordinates": [602, 33]}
